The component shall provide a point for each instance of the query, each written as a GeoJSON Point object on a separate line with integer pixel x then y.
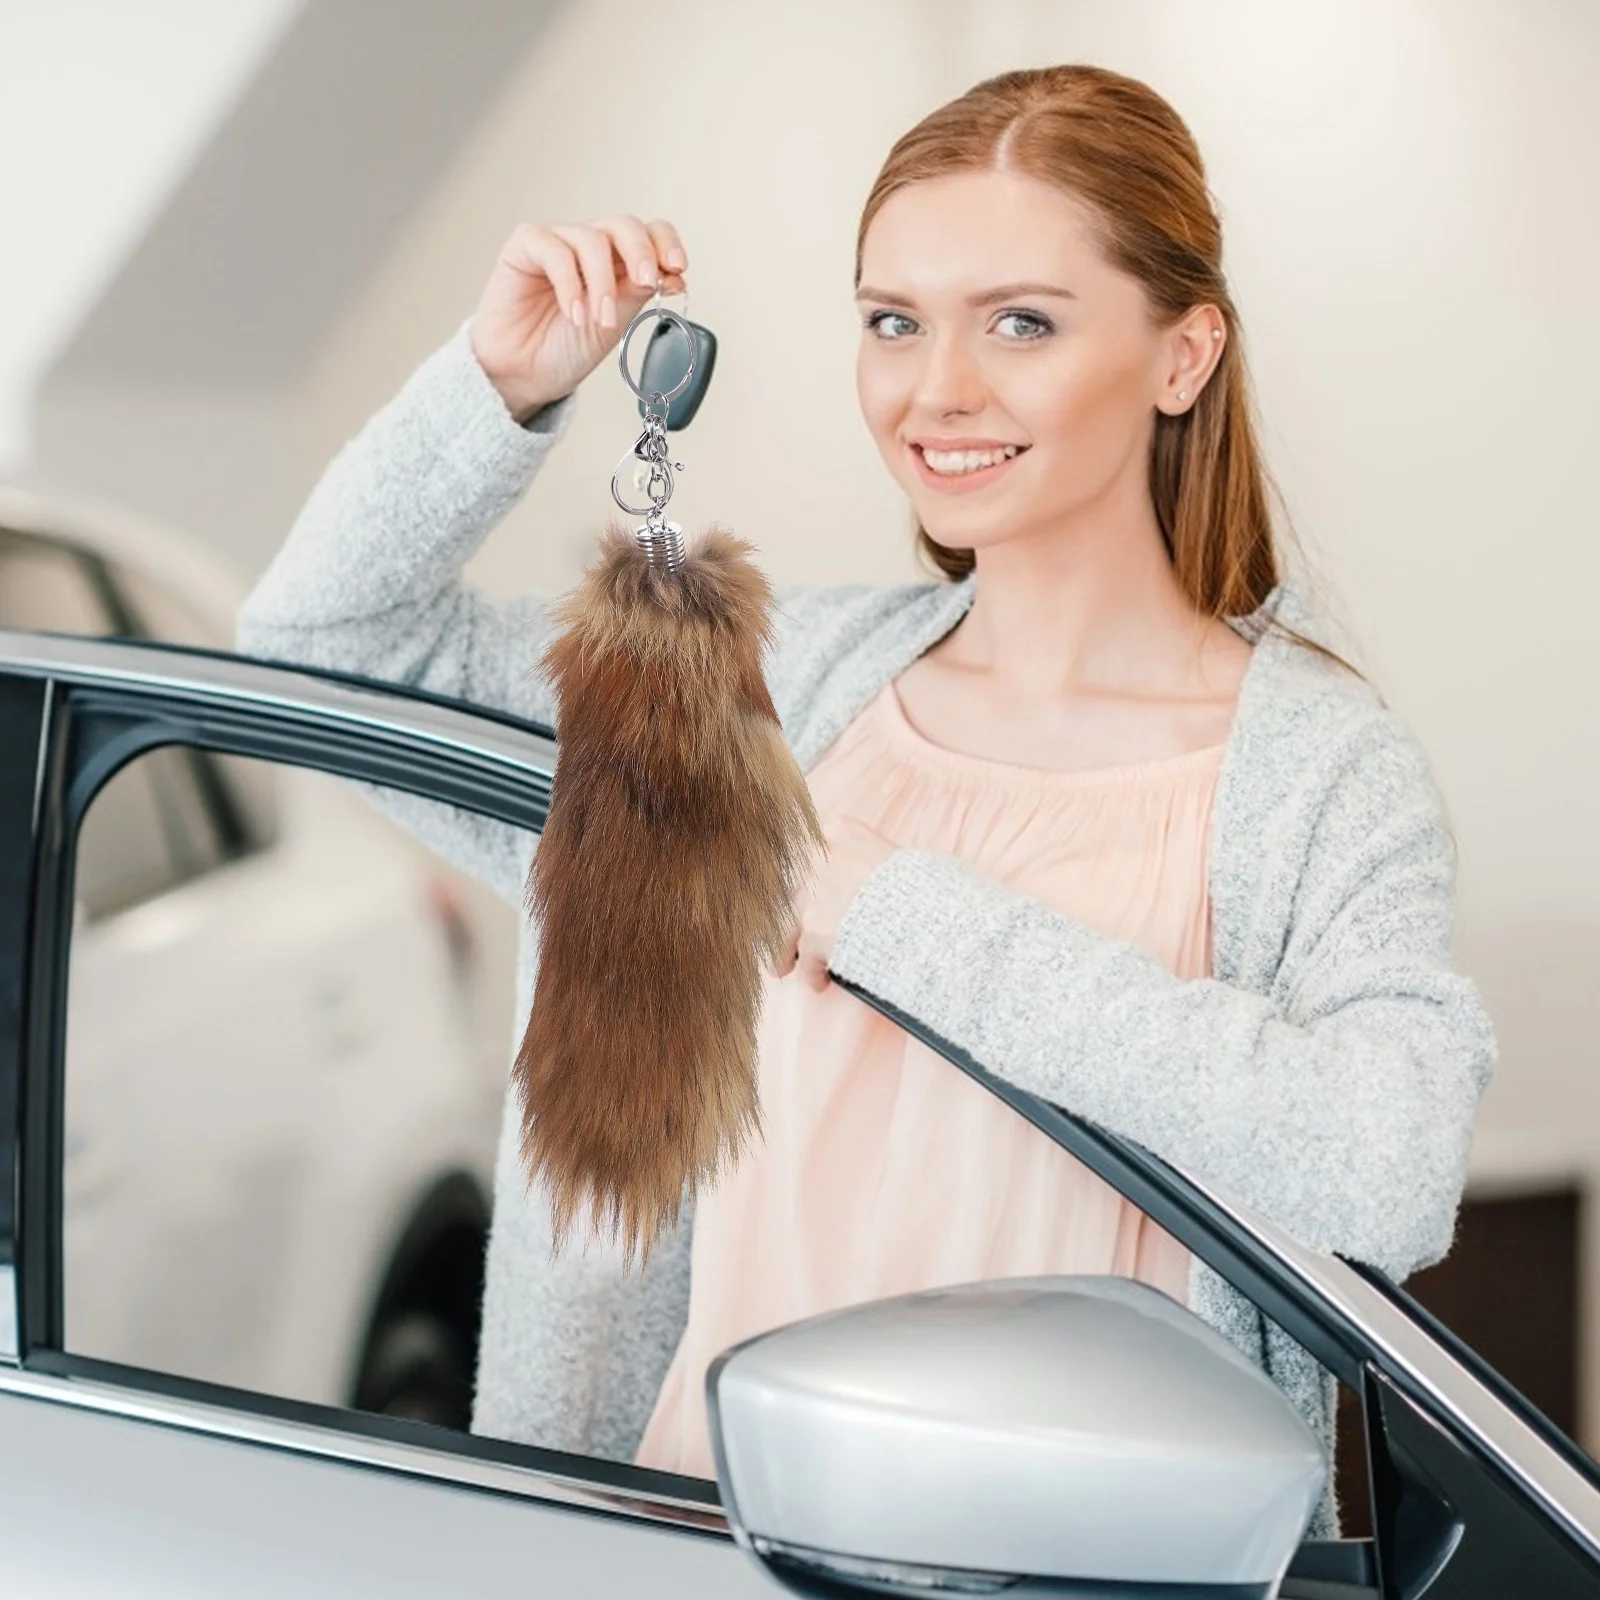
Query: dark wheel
{"type": "Point", "coordinates": [416, 1367]}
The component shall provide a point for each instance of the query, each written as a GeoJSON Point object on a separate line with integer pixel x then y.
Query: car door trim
{"type": "Point", "coordinates": [300, 694]}
{"type": "Point", "coordinates": [9, 1332]}
{"type": "Point", "coordinates": [243, 1417]}
{"type": "Point", "coordinates": [24, 714]}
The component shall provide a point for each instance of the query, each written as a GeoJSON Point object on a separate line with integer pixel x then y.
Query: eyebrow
{"type": "Point", "coordinates": [985, 297]}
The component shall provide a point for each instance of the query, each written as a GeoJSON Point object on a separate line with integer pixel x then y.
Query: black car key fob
{"type": "Point", "coordinates": [666, 359]}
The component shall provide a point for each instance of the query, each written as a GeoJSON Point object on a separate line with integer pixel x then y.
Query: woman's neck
{"type": "Point", "coordinates": [1054, 615]}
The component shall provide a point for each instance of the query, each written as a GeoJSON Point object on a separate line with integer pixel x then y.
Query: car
{"type": "Point", "coordinates": [217, 904]}
{"type": "Point", "coordinates": [989, 1439]}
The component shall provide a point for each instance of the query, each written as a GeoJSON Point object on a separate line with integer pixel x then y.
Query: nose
{"type": "Point", "coordinates": [951, 377]}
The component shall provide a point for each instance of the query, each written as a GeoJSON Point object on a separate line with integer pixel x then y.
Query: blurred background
{"type": "Point", "coordinates": [233, 227]}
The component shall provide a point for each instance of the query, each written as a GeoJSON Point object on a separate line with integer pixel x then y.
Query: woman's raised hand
{"type": "Point", "coordinates": [560, 297]}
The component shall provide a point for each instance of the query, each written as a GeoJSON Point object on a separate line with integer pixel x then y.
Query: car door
{"type": "Point", "coordinates": [116, 1479]}
{"type": "Point", "coordinates": [119, 1479]}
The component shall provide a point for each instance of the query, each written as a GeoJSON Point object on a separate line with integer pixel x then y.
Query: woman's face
{"type": "Point", "coordinates": [954, 352]}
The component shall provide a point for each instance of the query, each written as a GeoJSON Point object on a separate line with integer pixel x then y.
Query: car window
{"type": "Point", "coordinates": [46, 586]}
{"type": "Point", "coordinates": [145, 835]}
{"type": "Point", "coordinates": [283, 1088]}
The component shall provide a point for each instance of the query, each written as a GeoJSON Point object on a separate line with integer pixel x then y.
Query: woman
{"type": "Point", "coordinates": [1101, 811]}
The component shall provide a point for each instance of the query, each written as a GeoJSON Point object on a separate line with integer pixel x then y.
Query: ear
{"type": "Point", "coordinates": [1193, 349]}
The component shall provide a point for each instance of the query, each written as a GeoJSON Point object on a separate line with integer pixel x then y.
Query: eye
{"type": "Point", "coordinates": [1036, 326]}
{"type": "Point", "coordinates": [877, 318]}
{"type": "Point", "coordinates": [1042, 323]}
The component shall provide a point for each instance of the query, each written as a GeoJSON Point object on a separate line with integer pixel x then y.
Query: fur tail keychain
{"type": "Point", "coordinates": [679, 827]}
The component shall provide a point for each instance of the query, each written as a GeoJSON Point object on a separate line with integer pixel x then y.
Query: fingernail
{"type": "Point", "coordinates": [608, 311]}
{"type": "Point", "coordinates": [575, 311]}
{"type": "Point", "coordinates": [645, 273]}
{"type": "Point", "coordinates": [675, 257]}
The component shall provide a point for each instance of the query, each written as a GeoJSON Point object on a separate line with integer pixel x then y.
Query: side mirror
{"type": "Point", "coordinates": [1031, 1435]}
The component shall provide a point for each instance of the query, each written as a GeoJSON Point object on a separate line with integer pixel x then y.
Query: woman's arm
{"type": "Point", "coordinates": [369, 578]}
{"type": "Point", "coordinates": [1341, 1107]}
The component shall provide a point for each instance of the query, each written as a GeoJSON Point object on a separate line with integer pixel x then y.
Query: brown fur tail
{"type": "Point", "coordinates": [679, 827]}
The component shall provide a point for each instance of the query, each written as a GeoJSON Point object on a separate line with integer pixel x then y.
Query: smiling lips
{"type": "Point", "coordinates": [963, 469]}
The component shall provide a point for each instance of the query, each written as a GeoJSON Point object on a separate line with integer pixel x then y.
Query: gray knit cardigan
{"type": "Point", "coordinates": [1327, 1074]}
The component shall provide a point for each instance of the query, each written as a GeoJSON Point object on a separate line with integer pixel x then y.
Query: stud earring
{"type": "Point", "coordinates": [1183, 394]}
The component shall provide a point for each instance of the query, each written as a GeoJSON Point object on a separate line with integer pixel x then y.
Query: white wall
{"type": "Point", "coordinates": [102, 106]}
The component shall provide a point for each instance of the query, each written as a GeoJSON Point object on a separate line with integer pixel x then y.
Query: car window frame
{"type": "Point", "coordinates": [1357, 1323]}
{"type": "Point", "coordinates": [237, 834]}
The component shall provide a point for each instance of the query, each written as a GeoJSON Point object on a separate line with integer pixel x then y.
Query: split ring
{"type": "Point", "coordinates": [622, 354]}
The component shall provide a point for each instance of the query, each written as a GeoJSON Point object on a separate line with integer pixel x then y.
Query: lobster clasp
{"type": "Point", "coordinates": [664, 540]}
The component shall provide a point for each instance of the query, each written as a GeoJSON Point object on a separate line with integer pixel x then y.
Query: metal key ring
{"type": "Point", "coordinates": [622, 354]}
{"type": "Point", "coordinates": [654, 508]}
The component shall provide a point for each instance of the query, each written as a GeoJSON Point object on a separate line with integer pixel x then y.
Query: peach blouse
{"type": "Point", "coordinates": [882, 1168]}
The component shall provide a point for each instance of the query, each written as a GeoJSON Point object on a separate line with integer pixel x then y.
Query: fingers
{"type": "Point", "coordinates": [596, 275]}
{"type": "Point", "coordinates": [669, 247]}
{"type": "Point", "coordinates": [813, 969]}
{"type": "Point", "coordinates": [804, 956]}
{"type": "Point", "coordinates": [623, 261]}
{"type": "Point", "coordinates": [534, 250]}
{"type": "Point", "coordinates": [636, 248]}
{"type": "Point", "coordinates": [653, 253]}
{"type": "Point", "coordinates": [595, 252]}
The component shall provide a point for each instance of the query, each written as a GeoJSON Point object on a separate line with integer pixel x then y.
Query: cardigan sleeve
{"type": "Point", "coordinates": [369, 578]}
{"type": "Point", "coordinates": [1340, 1105]}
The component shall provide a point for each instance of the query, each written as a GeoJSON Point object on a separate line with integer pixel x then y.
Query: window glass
{"type": "Point", "coordinates": [125, 847]}
{"type": "Point", "coordinates": [194, 826]}
{"type": "Point", "coordinates": [282, 1099]}
{"type": "Point", "coordinates": [150, 830]}
{"type": "Point", "coordinates": [250, 787]}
